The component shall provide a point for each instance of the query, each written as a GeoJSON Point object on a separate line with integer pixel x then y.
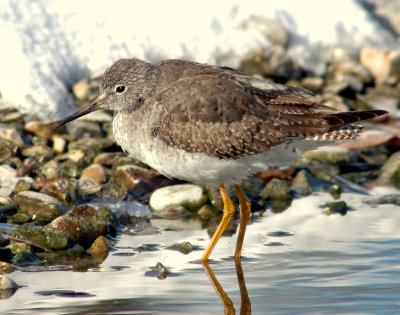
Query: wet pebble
{"type": "Point", "coordinates": [45, 236]}
{"type": "Point", "coordinates": [39, 205]}
{"type": "Point", "coordinates": [159, 271]}
{"type": "Point", "coordinates": [276, 189]}
{"type": "Point", "coordinates": [84, 224]}
{"type": "Point", "coordinates": [335, 207]}
{"type": "Point", "coordinates": [302, 183]}
{"type": "Point", "coordinates": [187, 195]}
{"type": "Point", "coordinates": [99, 246]}
{"type": "Point", "coordinates": [184, 247]}
{"type": "Point", "coordinates": [7, 283]}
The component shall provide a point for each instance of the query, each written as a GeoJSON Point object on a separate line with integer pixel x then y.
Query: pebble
{"type": "Point", "coordinates": [84, 224]}
{"type": "Point", "coordinates": [59, 143]}
{"type": "Point", "coordinates": [42, 206]}
{"type": "Point", "coordinates": [390, 172]}
{"type": "Point", "coordinates": [7, 283]}
{"type": "Point", "coordinates": [11, 134]}
{"type": "Point", "coordinates": [100, 245]}
{"type": "Point", "coordinates": [187, 195]}
{"type": "Point", "coordinates": [95, 172]}
{"type": "Point", "coordinates": [331, 154]}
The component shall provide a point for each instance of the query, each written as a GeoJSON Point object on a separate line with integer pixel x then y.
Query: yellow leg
{"type": "Point", "coordinates": [245, 210]}
{"type": "Point", "coordinates": [228, 212]}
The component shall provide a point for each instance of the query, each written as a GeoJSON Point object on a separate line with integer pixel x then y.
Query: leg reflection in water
{"type": "Point", "coordinates": [245, 304]}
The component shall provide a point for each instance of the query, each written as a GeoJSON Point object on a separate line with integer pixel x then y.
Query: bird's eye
{"type": "Point", "coordinates": [120, 88]}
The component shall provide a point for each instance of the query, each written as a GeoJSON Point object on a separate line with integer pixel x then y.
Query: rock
{"type": "Point", "coordinates": [276, 189]}
{"type": "Point", "coordinates": [7, 150]}
{"type": "Point", "coordinates": [39, 151]}
{"type": "Point", "coordinates": [206, 212]}
{"type": "Point", "coordinates": [8, 180]}
{"type": "Point", "coordinates": [270, 28]}
{"type": "Point", "coordinates": [45, 236]}
{"type": "Point", "coordinates": [6, 267]}
{"type": "Point", "coordinates": [114, 191]}
{"type": "Point", "coordinates": [331, 154]}
{"type": "Point", "coordinates": [39, 205]}
{"type": "Point", "coordinates": [16, 247]}
{"type": "Point", "coordinates": [87, 128]}
{"type": "Point", "coordinates": [99, 246]}
{"type": "Point", "coordinates": [383, 64]}
{"type": "Point", "coordinates": [88, 186]}
{"type": "Point", "coordinates": [130, 175]}
{"type": "Point", "coordinates": [22, 185]}
{"type": "Point", "coordinates": [63, 190]}
{"type": "Point", "coordinates": [126, 211]}
{"type": "Point", "coordinates": [42, 130]}
{"type": "Point", "coordinates": [7, 283]}
{"type": "Point", "coordinates": [313, 84]}
{"type": "Point", "coordinates": [11, 134]}
{"type": "Point", "coordinates": [19, 218]}
{"type": "Point", "coordinates": [335, 207]}
{"type": "Point", "coordinates": [271, 62]}
{"type": "Point", "coordinates": [84, 224]}
{"type": "Point", "coordinates": [68, 168]}
{"type": "Point", "coordinates": [23, 258]}
{"type": "Point", "coordinates": [184, 247]}
{"type": "Point", "coordinates": [59, 143]}
{"type": "Point", "coordinates": [95, 172]}
{"type": "Point", "coordinates": [390, 172]}
{"type": "Point", "coordinates": [107, 158]}
{"type": "Point", "coordinates": [158, 271]}
{"type": "Point", "coordinates": [50, 169]}
{"type": "Point", "coordinates": [302, 183]}
{"type": "Point", "coordinates": [335, 190]}
{"type": "Point", "coordinates": [187, 195]}
{"type": "Point", "coordinates": [174, 212]}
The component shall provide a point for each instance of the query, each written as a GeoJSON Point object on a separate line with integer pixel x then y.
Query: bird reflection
{"type": "Point", "coordinates": [245, 304]}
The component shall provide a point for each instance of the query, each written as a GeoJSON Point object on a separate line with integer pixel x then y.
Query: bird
{"type": "Point", "coordinates": [214, 125]}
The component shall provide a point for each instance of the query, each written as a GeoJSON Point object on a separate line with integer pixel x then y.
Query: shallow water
{"type": "Point", "coordinates": [296, 262]}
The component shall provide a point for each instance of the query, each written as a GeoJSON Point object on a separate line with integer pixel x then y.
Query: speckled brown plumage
{"type": "Point", "coordinates": [214, 125]}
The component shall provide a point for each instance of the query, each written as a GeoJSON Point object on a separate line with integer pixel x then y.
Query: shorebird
{"type": "Point", "coordinates": [214, 125]}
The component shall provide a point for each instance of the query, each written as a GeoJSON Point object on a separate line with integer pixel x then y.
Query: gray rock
{"type": "Point", "coordinates": [187, 195]}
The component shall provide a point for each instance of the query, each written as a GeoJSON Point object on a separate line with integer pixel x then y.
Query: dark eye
{"type": "Point", "coordinates": [120, 89]}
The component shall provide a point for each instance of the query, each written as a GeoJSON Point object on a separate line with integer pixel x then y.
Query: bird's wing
{"type": "Point", "coordinates": [227, 117]}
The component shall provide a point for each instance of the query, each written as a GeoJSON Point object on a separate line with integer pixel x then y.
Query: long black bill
{"type": "Point", "coordinates": [79, 113]}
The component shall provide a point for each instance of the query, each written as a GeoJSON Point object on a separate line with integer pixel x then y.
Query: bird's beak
{"type": "Point", "coordinates": [93, 107]}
